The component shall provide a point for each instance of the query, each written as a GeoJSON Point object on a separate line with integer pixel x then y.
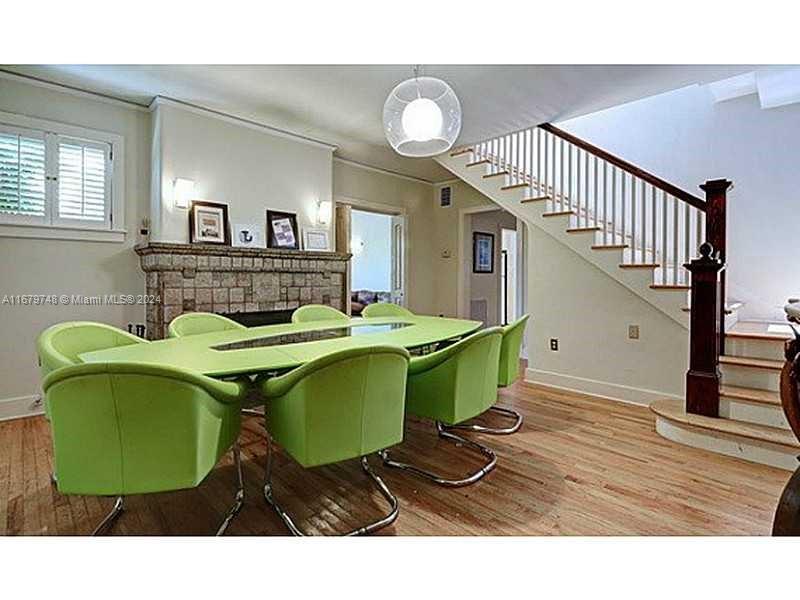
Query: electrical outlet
{"type": "Point", "coordinates": [554, 344]}
{"type": "Point", "coordinates": [633, 332]}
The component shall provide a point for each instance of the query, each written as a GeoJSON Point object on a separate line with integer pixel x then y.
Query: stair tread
{"type": "Point", "coordinates": [461, 151]}
{"type": "Point", "coordinates": [756, 363]}
{"type": "Point", "coordinates": [674, 410]}
{"type": "Point", "coordinates": [664, 286]}
{"type": "Point", "coordinates": [582, 229]}
{"type": "Point", "coordinates": [755, 330]}
{"type": "Point", "coordinates": [539, 199]}
{"type": "Point", "coordinates": [752, 394]}
{"type": "Point", "coordinates": [609, 246]}
{"type": "Point", "coordinates": [484, 161]}
{"type": "Point", "coordinates": [496, 174]}
{"type": "Point", "coordinates": [514, 186]}
{"type": "Point", "coordinates": [558, 214]}
{"type": "Point", "coordinates": [639, 266]}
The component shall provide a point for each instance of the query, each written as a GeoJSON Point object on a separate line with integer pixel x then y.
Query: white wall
{"type": "Point", "coordinates": [686, 139]}
{"type": "Point", "coordinates": [35, 266]}
{"type": "Point", "coordinates": [371, 267]}
{"type": "Point", "coordinates": [589, 312]}
{"type": "Point", "coordinates": [246, 168]}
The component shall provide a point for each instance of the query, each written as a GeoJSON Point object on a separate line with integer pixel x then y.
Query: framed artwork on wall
{"type": "Point", "coordinates": [208, 223]}
{"type": "Point", "coordinates": [282, 230]}
{"type": "Point", "coordinates": [316, 239]}
{"type": "Point", "coordinates": [248, 235]}
{"type": "Point", "coordinates": [482, 252]}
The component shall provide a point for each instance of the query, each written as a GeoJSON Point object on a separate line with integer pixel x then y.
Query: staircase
{"type": "Point", "coordinates": [751, 423]}
{"type": "Point", "coordinates": [635, 227]}
{"type": "Point", "coordinates": [641, 231]}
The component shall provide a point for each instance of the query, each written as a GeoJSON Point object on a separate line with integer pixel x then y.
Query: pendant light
{"type": "Point", "coordinates": [422, 117]}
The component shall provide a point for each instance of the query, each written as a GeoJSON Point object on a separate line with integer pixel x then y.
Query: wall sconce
{"type": "Point", "coordinates": [324, 213]}
{"type": "Point", "coordinates": [183, 191]}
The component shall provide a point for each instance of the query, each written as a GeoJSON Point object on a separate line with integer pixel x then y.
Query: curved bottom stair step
{"type": "Point", "coordinates": [772, 446]}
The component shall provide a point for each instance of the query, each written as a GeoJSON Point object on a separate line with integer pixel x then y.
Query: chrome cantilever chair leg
{"type": "Point", "coordinates": [494, 430]}
{"type": "Point", "coordinates": [470, 479]}
{"type": "Point", "coordinates": [369, 528]}
{"type": "Point", "coordinates": [110, 518]}
{"type": "Point", "coordinates": [239, 498]}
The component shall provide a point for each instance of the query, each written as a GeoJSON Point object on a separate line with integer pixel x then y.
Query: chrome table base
{"type": "Point", "coordinates": [365, 529]}
{"type": "Point", "coordinates": [110, 518]}
{"type": "Point", "coordinates": [470, 479]}
{"type": "Point", "coordinates": [494, 430]}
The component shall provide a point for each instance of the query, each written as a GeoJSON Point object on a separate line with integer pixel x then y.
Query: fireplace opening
{"type": "Point", "coordinates": [262, 317]}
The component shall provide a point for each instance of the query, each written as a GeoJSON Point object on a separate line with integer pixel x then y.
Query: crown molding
{"type": "Point", "coordinates": [71, 90]}
{"type": "Point", "coordinates": [241, 121]}
{"type": "Point", "coordinates": [359, 165]}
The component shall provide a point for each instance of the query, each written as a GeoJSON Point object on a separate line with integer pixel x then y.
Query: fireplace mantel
{"type": "Point", "coordinates": [223, 279]}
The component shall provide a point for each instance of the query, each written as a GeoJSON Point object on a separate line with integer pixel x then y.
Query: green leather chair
{"type": "Point", "coordinates": [345, 405]}
{"type": "Point", "coordinates": [126, 428]}
{"type": "Point", "coordinates": [194, 323]}
{"type": "Point", "coordinates": [451, 386]}
{"type": "Point", "coordinates": [318, 312]}
{"type": "Point", "coordinates": [60, 345]}
{"type": "Point", "coordinates": [508, 373]}
{"type": "Point", "coordinates": [385, 309]}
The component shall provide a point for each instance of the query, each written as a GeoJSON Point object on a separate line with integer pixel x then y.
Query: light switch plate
{"type": "Point", "coordinates": [633, 332]}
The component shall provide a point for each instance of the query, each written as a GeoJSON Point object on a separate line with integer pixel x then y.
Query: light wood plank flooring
{"type": "Point", "coordinates": [579, 466]}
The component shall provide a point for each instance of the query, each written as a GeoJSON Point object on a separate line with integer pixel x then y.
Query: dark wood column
{"type": "Point", "coordinates": [702, 379]}
{"type": "Point", "coordinates": [717, 235]}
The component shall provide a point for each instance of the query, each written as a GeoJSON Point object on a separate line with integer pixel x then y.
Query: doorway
{"type": "Point", "coordinates": [376, 240]}
{"type": "Point", "coordinates": [492, 292]}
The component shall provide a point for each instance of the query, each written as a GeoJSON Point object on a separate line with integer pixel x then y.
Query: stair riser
{"type": "Point", "coordinates": [770, 415]}
{"type": "Point", "coordinates": [753, 348]}
{"type": "Point", "coordinates": [765, 453]}
{"type": "Point", "coordinates": [760, 379]}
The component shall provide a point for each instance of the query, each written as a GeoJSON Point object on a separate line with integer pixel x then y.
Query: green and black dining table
{"type": "Point", "coordinates": [272, 348]}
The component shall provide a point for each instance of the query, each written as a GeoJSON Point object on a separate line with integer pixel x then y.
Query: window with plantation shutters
{"type": "Point", "coordinates": [82, 180]}
{"type": "Point", "coordinates": [54, 176]}
{"type": "Point", "coordinates": [22, 174]}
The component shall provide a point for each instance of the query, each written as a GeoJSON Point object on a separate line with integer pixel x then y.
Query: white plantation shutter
{"type": "Point", "coordinates": [22, 174]}
{"type": "Point", "coordinates": [83, 180]}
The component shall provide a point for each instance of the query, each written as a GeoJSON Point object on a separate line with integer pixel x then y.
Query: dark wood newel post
{"type": "Point", "coordinates": [702, 378]}
{"type": "Point", "coordinates": [717, 235]}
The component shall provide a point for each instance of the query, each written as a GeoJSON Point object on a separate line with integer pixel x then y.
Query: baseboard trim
{"type": "Point", "coordinates": [601, 389]}
{"type": "Point", "coordinates": [20, 407]}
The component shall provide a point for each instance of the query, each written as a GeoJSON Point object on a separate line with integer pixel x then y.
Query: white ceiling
{"type": "Point", "coordinates": [342, 104]}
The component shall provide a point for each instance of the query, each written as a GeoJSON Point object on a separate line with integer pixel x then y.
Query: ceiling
{"type": "Point", "coordinates": [342, 104]}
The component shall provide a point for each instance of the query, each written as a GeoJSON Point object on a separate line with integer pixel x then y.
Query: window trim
{"type": "Point", "coordinates": [53, 227]}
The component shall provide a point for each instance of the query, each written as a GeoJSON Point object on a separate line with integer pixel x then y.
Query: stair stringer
{"type": "Point", "coordinates": [669, 302]}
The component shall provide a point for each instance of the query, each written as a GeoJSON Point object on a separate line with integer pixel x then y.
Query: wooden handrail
{"type": "Point", "coordinates": [657, 182]}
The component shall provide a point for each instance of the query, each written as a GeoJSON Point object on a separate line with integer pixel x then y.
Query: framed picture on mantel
{"type": "Point", "coordinates": [282, 230]}
{"type": "Point", "coordinates": [208, 223]}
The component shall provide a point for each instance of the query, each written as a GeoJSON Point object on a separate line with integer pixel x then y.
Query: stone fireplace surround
{"type": "Point", "coordinates": [223, 279]}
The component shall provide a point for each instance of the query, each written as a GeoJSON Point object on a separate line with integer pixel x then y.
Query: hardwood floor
{"type": "Point", "coordinates": [579, 466]}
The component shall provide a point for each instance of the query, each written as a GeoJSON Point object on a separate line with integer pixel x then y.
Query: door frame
{"type": "Point", "coordinates": [385, 209]}
{"type": "Point", "coordinates": [462, 287]}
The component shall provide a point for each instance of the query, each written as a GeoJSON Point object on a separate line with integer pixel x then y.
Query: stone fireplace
{"type": "Point", "coordinates": [227, 280]}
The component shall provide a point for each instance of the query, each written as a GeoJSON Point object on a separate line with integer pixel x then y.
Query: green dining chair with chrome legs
{"type": "Point", "coordinates": [195, 323]}
{"type": "Point", "coordinates": [341, 406]}
{"type": "Point", "coordinates": [451, 386]}
{"type": "Point", "coordinates": [127, 428]}
{"type": "Point", "coordinates": [60, 345]}
{"type": "Point", "coordinates": [318, 312]}
{"type": "Point", "coordinates": [508, 373]}
{"type": "Point", "coordinates": [385, 309]}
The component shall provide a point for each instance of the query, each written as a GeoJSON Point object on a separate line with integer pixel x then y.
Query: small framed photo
{"type": "Point", "coordinates": [482, 252]}
{"type": "Point", "coordinates": [208, 223]}
{"type": "Point", "coordinates": [248, 235]}
{"type": "Point", "coordinates": [282, 230]}
{"type": "Point", "coordinates": [315, 239]}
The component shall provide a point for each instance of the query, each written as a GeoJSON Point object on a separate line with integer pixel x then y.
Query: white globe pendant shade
{"type": "Point", "coordinates": [422, 117]}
